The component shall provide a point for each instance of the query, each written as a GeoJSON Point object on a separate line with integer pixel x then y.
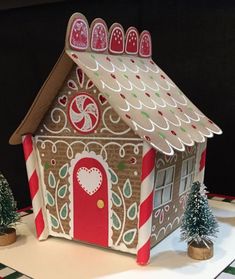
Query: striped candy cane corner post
{"type": "Point", "coordinates": [146, 204]}
{"type": "Point", "coordinates": [36, 195]}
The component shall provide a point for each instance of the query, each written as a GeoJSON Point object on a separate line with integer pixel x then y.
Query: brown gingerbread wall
{"type": "Point", "coordinates": [167, 218]}
{"type": "Point", "coordinates": [58, 141]}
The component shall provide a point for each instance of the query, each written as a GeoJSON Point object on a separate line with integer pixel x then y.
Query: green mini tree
{"type": "Point", "coordinates": [8, 214]}
{"type": "Point", "coordinates": [198, 223]}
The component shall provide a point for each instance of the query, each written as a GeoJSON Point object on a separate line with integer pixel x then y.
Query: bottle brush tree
{"type": "Point", "coordinates": [8, 214]}
{"type": "Point", "coordinates": [198, 223]}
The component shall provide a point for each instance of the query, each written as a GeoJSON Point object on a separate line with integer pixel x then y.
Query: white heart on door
{"type": "Point", "coordinates": [89, 179]}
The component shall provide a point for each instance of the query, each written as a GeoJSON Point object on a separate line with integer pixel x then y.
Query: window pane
{"type": "Point", "coordinates": [182, 185]}
{"type": "Point", "coordinates": [160, 178]}
{"type": "Point", "coordinates": [188, 185]}
{"type": "Point", "coordinates": [169, 175]}
{"type": "Point", "coordinates": [184, 168]}
{"type": "Point", "coordinates": [167, 194]}
{"type": "Point", "coordinates": [190, 165]}
{"type": "Point", "coordinates": [157, 198]}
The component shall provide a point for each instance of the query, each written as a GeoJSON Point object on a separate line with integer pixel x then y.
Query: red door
{"type": "Point", "coordinates": [90, 196]}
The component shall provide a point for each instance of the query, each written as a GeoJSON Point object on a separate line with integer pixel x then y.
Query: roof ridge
{"type": "Point", "coordinates": [97, 38]}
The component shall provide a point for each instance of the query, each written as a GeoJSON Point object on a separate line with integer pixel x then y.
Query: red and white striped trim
{"type": "Point", "coordinates": [146, 204]}
{"type": "Point", "coordinates": [36, 195]}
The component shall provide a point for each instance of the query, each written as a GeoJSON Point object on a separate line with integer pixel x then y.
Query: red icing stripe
{"type": "Point", "coordinates": [39, 223]}
{"type": "Point", "coordinates": [203, 160]}
{"type": "Point", "coordinates": [148, 163]}
{"type": "Point", "coordinates": [28, 146]}
{"type": "Point", "coordinates": [33, 184]}
{"type": "Point", "coordinates": [146, 208]}
{"type": "Point", "coordinates": [144, 254]}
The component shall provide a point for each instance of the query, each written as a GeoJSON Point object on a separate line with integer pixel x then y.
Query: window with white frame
{"type": "Point", "coordinates": [163, 186]}
{"type": "Point", "coordinates": [187, 174]}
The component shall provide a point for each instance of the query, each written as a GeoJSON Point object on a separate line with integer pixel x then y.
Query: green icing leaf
{"type": "Point", "coordinates": [145, 114]}
{"type": "Point", "coordinates": [182, 129]}
{"type": "Point", "coordinates": [134, 95]}
{"type": "Point", "coordinates": [161, 135]}
{"type": "Point", "coordinates": [157, 94]}
{"type": "Point", "coordinates": [50, 199]}
{"type": "Point", "coordinates": [51, 180]}
{"type": "Point", "coordinates": [127, 189]}
{"type": "Point", "coordinates": [121, 166]}
{"type": "Point", "coordinates": [64, 211]}
{"type": "Point", "coordinates": [64, 170]}
{"type": "Point", "coordinates": [54, 221]}
{"type": "Point", "coordinates": [62, 191]}
{"type": "Point", "coordinates": [129, 236]}
{"type": "Point", "coordinates": [46, 166]}
{"type": "Point", "coordinates": [116, 221]}
{"type": "Point", "coordinates": [132, 211]}
{"type": "Point", "coordinates": [114, 177]}
{"type": "Point", "coordinates": [120, 59]}
{"type": "Point", "coordinates": [116, 199]}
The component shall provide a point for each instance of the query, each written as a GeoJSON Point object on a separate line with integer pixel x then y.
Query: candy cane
{"type": "Point", "coordinates": [36, 195]}
{"type": "Point", "coordinates": [146, 204]}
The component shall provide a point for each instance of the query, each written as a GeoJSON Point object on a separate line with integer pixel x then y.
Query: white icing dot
{"type": "Point", "coordinates": [95, 131]}
{"type": "Point", "coordinates": [69, 92]}
{"type": "Point", "coordinates": [94, 90]}
{"type": "Point", "coordinates": [41, 130]}
{"type": "Point", "coordinates": [75, 131]}
{"type": "Point", "coordinates": [135, 173]}
{"type": "Point", "coordinates": [176, 210]}
{"type": "Point", "coordinates": [168, 218]}
{"type": "Point", "coordinates": [42, 155]}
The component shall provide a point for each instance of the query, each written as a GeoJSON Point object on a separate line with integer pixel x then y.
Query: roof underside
{"type": "Point", "coordinates": [147, 100]}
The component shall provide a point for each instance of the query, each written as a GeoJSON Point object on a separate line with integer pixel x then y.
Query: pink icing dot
{"type": "Point", "coordinates": [147, 138]}
{"type": "Point", "coordinates": [74, 56]}
{"type": "Point", "coordinates": [180, 109]}
{"type": "Point", "coordinates": [147, 94]}
{"type": "Point", "coordinates": [210, 121]}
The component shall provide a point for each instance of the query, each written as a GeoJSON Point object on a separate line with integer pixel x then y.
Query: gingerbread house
{"type": "Point", "coordinates": [111, 144]}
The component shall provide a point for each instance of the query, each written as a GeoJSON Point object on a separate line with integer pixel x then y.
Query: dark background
{"type": "Point", "coordinates": [193, 42]}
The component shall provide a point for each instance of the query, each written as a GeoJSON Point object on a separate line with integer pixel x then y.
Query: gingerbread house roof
{"type": "Point", "coordinates": [121, 67]}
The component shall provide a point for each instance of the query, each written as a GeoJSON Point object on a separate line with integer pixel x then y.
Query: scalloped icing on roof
{"type": "Point", "coordinates": [147, 100]}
